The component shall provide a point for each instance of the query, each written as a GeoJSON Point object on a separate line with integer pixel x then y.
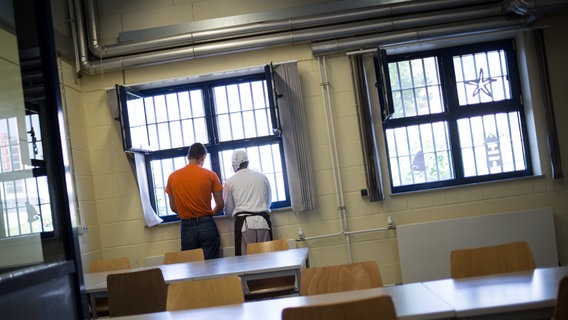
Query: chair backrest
{"type": "Point", "coordinates": [204, 293]}
{"type": "Point", "coordinates": [184, 256]}
{"type": "Point", "coordinates": [136, 292]}
{"type": "Point", "coordinates": [373, 308]}
{"type": "Point", "coordinates": [267, 246]}
{"type": "Point", "coordinates": [109, 264]}
{"type": "Point", "coordinates": [561, 309]}
{"type": "Point", "coordinates": [271, 286]}
{"type": "Point", "coordinates": [344, 277]}
{"type": "Point", "coordinates": [504, 258]}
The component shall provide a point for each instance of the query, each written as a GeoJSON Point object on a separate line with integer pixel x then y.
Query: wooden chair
{"type": "Point", "coordinates": [504, 258]}
{"type": "Point", "coordinates": [136, 292]}
{"type": "Point", "coordinates": [272, 287]}
{"type": "Point", "coordinates": [373, 308]}
{"type": "Point", "coordinates": [122, 263]}
{"type": "Point", "coordinates": [204, 293]}
{"type": "Point", "coordinates": [184, 256]}
{"type": "Point", "coordinates": [561, 308]}
{"type": "Point", "coordinates": [344, 277]}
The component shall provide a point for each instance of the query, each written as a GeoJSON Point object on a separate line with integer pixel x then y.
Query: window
{"type": "Point", "coordinates": [453, 116]}
{"type": "Point", "coordinates": [24, 191]}
{"type": "Point", "coordinates": [223, 114]}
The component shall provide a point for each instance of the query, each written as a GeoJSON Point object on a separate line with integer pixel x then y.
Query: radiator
{"type": "Point", "coordinates": [424, 248]}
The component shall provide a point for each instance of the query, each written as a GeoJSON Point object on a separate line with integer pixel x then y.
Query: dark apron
{"type": "Point", "coordinates": [240, 220]}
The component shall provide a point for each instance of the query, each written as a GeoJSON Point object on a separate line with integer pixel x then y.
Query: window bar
{"type": "Point", "coordinates": [179, 120]}
{"type": "Point", "coordinates": [426, 86]}
{"type": "Point", "coordinates": [498, 137]}
{"type": "Point", "coordinates": [511, 140]}
{"type": "Point", "coordinates": [504, 72]}
{"type": "Point", "coordinates": [489, 77]}
{"type": "Point", "coordinates": [464, 81]}
{"type": "Point", "coordinates": [435, 152]}
{"type": "Point", "coordinates": [484, 130]}
{"type": "Point", "coordinates": [413, 88]}
{"type": "Point", "coordinates": [192, 119]}
{"type": "Point", "coordinates": [240, 111]}
{"type": "Point", "coordinates": [449, 151]}
{"type": "Point", "coordinates": [267, 104]}
{"type": "Point", "coordinates": [400, 90]}
{"type": "Point", "coordinates": [249, 88]}
{"type": "Point", "coordinates": [147, 127]}
{"type": "Point", "coordinates": [423, 154]}
{"type": "Point", "coordinates": [163, 181]}
{"type": "Point", "coordinates": [170, 121]}
{"type": "Point", "coordinates": [409, 152]}
{"type": "Point", "coordinates": [472, 141]}
{"type": "Point", "coordinates": [5, 212]}
{"type": "Point", "coordinates": [397, 157]}
{"type": "Point", "coordinates": [156, 123]}
{"type": "Point", "coordinates": [226, 96]}
{"type": "Point", "coordinates": [33, 182]}
{"type": "Point", "coordinates": [253, 112]}
{"type": "Point", "coordinates": [278, 191]}
{"type": "Point", "coordinates": [17, 207]}
{"type": "Point", "coordinates": [476, 69]}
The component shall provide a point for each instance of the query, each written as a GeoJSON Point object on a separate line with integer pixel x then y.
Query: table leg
{"type": "Point", "coordinates": [93, 305]}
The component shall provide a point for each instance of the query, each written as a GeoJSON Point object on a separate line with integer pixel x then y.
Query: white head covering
{"type": "Point", "coordinates": [239, 156]}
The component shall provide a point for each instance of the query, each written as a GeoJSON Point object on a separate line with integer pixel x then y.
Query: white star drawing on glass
{"type": "Point", "coordinates": [481, 84]}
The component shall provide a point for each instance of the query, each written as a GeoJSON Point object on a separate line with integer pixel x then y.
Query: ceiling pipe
{"type": "Point", "coordinates": [265, 27]}
{"type": "Point", "coordinates": [147, 53]}
{"type": "Point", "coordinates": [532, 7]}
{"type": "Point", "coordinates": [284, 38]}
{"type": "Point", "coordinates": [420, 34]}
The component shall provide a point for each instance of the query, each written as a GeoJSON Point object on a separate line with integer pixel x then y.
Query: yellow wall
{"type": "Point", "coordinates": [109, 204]}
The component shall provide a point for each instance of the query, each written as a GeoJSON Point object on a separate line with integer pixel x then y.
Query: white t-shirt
{"type": "Point", "coordinates": [248, 191]}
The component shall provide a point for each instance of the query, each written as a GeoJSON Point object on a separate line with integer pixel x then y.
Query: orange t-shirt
{"type": "Point", "coordinates": [191, 187]}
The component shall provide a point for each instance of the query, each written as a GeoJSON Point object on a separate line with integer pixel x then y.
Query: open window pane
{"type": "Point", "coordinates": [415, 87]}
{"type": "Point", "coordinates": [234, 105]}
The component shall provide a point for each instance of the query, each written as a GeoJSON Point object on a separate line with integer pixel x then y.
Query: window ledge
{"type": "Point", "coordinates": [468, 185]}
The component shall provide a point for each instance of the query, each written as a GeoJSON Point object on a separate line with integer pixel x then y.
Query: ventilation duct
{"type": "Point", "coordinates": [390, 24]}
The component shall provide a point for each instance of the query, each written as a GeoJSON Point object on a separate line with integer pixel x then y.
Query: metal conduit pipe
{"type": "Point", "coordinates": [261, 42]}
{"type": "Point", "coordinates": [292, 37]}
{"type": "Point", "coordinates": [532, 7]}
{"type": "Point", "coordinates": [259, 28]}
{"type": "Point", "coordinates": [419, 34]}
{"type": "Point", "coordinates": [279, 39]}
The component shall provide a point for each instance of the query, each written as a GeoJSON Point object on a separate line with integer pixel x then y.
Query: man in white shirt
{"type": "Point", "coordinates": [247, 196]}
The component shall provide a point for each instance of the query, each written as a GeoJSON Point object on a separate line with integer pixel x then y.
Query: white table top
{"type": "Point", "coordinates": [412, 302]}
{"type": "Point", "coordinates": [506, 293]}
{"type": "Point", "coordinates": [247, 265]}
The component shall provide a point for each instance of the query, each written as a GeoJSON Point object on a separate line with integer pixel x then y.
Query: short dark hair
{"type": "Point", "coordinates": [196, 151]}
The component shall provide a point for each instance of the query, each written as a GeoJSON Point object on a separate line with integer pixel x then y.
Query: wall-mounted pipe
{"type": "Point", "coordinates": [259, 28]}
{"type": "Point", "coordinates": [214, 42]}
{"type": "Point", "coordinates": [420, 34]}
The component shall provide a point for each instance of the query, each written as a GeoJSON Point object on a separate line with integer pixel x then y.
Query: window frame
{"type": "Point", "coordinates": [453, 111]}
{"type": "Point", "coordinates": [214, 147]}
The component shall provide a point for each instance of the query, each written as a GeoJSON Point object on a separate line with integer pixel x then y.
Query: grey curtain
{"type": "Point", "coordinates": [295, 137]}
{"type": "Point", "coordinates": [371, 157]}
{"type": "Point", "coordinates": [552, 136]}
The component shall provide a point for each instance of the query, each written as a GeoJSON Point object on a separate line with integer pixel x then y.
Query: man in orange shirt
{"type": "Point", "coordinates": [189, 190]}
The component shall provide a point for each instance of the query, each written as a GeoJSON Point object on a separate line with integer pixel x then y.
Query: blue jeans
{"type": "Point", "coordinates": [201, 233]}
